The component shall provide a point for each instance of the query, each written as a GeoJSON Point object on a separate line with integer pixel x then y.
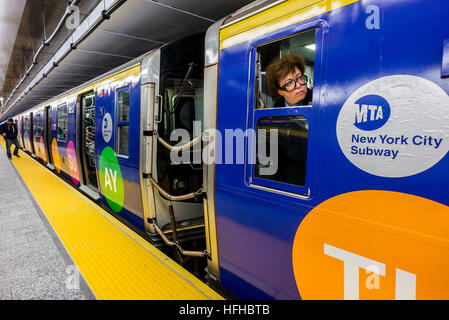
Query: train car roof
{"type": "Point", "coordinates": [249, 10]}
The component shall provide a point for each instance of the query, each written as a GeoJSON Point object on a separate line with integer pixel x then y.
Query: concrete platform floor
{"type": "Point", "coordinates": [33, 265]}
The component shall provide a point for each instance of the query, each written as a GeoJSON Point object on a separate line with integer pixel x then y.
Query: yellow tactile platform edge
{"type": "Point", "coordinates": [115, 261]}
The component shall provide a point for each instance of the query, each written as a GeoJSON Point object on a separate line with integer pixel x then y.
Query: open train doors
{"type": "Point", "coordinates": [48, 137]}
{"type": "Point", "coordinates": [171, 115]}
{"type": "Point", "coordinates": [20, 126]}
{"type": "Point", "coordinates": [29, 129]}
{"type": "Point", "coordinates": [86, 152]}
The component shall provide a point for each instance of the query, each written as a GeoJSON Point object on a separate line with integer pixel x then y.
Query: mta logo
{"type": "Point", "coordinates": [371, 112]}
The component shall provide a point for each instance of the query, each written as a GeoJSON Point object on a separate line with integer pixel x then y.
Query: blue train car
{"type": "Point", "coordinates": [358, 205]}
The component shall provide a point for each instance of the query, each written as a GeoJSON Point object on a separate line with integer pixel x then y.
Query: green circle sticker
{"type": "Point", "coordinates": [111, 179]}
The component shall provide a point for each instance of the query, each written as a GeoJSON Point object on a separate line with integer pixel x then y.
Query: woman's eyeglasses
{"type": "Point", "coordinates": [290, 85]}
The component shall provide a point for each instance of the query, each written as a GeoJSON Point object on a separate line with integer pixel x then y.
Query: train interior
{"type": "Point", "coordinates": [181, 173]}
{"type": "Point", "coordinates": [87, 143]}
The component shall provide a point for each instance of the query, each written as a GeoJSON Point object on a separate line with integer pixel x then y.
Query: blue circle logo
{"type": "Point", "coordinates": [107, 127]}
{"type": "Point", "coordinates": [371, 112]}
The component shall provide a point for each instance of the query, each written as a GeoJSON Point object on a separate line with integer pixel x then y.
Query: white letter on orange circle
{"type": "Point", "coordinates": [352, 263]}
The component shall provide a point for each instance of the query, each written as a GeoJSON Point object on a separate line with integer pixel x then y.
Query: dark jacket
{"type": "Point", "coordinates": [279, 101]}
{"type": "Point", "coordinates": [10, 130]}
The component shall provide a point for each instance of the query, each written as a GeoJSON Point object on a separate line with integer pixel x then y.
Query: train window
{"type": "Point", "coordinates": [62, 122]}
{"type": "Point", "coordinates": [123, 121]}
{"type": "Point", "coordinates": [273, 64]}
{"type": "Point", "coordinates": [184, 105]}
{"type": "Point", "coordinates": [38, 125]}
{"type": "Point", "coordinates": [292, 134]}
{"type": "Point", "coordinates": [282, 113]}
{"type": "Point", "coordinates": [88, 107]}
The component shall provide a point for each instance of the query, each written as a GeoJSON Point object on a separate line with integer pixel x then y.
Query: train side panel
{"type": "Point", "coordinates": [64, 139]}
{"type": "Point", "coordinates": [373, 201]}
{"type": "Point", "coordinates": [27, 133]}
{"type": "Point", "coordinates": [118, 144]}
{"type": "Point", "coordinates": [38, 136]}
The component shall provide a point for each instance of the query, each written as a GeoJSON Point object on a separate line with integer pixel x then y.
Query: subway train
{"type": "Point", "coordinates": [181, 141]}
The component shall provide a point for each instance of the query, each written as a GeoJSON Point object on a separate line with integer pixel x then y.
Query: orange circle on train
{"type": "Point", "coordinates": [36, 146]}
{"type": "Point", "coordinates": [55, 154]}
{"type": "Point", "coordinates": [41, 146]}
{"type": "Point", "coordinates": [373, 245]}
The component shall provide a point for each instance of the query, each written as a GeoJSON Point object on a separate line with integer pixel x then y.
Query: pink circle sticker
{"type": "Point", "coordinates": [73, 164]}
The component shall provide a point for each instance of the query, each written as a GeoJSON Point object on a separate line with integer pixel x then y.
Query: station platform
{"type": "Point", "coordinates": [113, 261]}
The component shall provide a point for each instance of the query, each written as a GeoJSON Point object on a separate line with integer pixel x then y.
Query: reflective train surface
{"type": "Point", "coordinates": [356, 206]}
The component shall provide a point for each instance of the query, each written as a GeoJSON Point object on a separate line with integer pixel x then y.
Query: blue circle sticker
{"type": "Point", "coordinates": [371, 112]}
{"type": "Point", "coordinates": [395, 126]}
{"type": "Point", "coordinates": [106, 127]}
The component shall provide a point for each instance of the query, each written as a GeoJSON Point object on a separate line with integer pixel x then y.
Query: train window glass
{"type": "Point", "coordinates": [292, 136]}
{"type": "Point", "coordinates": [183, 106]}
{"type": "Point", "coordinates": [123, 137]}
{"type": "Point", "coordinates": [123, 105]}
{"type": "Point", "coordinates": [123, 121]}
{"type": "Point", "coordinates": [88, 104]}
{"type": "Point", "coordinates": [266, 88]}
{"type": "Point", "coordinates": [38, 125]}
{"type": "Point", "coordinates": [62, 122]}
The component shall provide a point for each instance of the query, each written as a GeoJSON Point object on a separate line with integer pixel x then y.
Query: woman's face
{"type": "Point", "coordinates": [298, 94]}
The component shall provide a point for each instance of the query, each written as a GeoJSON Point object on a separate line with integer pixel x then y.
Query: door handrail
{"type": "Point", "coordinates": [185, 146]}
{"type": "Point", "coordinates": [174, 198]}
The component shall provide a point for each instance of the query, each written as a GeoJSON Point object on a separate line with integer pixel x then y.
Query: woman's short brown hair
{"type": "Point", "coordinates": [281, 67]}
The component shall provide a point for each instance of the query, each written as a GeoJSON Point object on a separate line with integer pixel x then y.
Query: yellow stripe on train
{"type": "Point", "coordinates": [275, 18]}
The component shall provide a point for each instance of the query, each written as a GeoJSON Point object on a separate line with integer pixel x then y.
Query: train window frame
{"type": "Point", "coordinates": [38, 124]}
{"type": "Point", "coordinates": [307, 111]}
{"type": "Point", "coordinates": [62, 115]}
{"type": "Point", "coordinates": [195, 93]}
{"type": "Point", "coordinates": [119, 123]}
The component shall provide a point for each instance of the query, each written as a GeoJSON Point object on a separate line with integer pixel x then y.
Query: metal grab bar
{"type": "Point", "coordinates": [183, 252]}
{"type": "Point", "coordinates": [175, 198]}
{"type": "Point", "coordinates": [186, 146]}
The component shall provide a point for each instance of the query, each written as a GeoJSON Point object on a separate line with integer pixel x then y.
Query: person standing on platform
{"type": "Point", "coordinates": [9, 132]}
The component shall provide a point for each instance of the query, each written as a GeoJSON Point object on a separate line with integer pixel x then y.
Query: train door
{"type": "Point", "coordinates": [26, 133]}
{"type": "Point", "coordinates": [279, 188]}
{"type": "Point", "coordinates": [175, 177]}
{"type": "Point", "coordinates": [47, 136]}
{"type": "Point", "coordinates": [37, 130]}
{"type": "Point", "coordinates": [87, 142]}
{"type": "Point", "coordinates": [20, 131]}
{"type": "Point", "coordinates": [31, 134]}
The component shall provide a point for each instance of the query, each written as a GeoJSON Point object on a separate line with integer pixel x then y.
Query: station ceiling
{"type": "Point", "coordinates": [10, 16]}
{"type": "Point", "coordinates": [110, 33]}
